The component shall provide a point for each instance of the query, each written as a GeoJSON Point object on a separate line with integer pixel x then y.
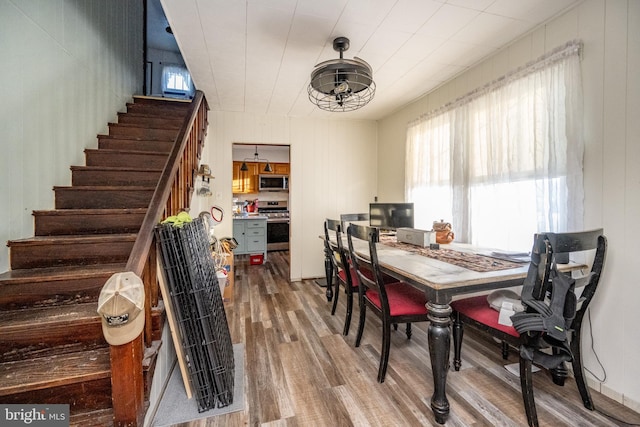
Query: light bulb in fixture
{"type": "Point", "coordinates": [341, 88]}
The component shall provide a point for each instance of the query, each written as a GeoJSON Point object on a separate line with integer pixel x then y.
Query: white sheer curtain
{"type": "Point", "coordinates": [505, 161]}
{"type": "Point", "coordinates": [176, 80]}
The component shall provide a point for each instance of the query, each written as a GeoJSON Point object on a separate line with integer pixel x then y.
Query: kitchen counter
{"type": "Point", "coordinates": [250, 216]}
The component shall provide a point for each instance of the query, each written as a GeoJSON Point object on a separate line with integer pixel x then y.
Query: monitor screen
{"type": "Point", "coordinates": [389, 216]}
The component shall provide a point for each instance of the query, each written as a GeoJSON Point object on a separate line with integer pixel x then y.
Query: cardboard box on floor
{"type": "Point", "coordinates": [227, 294]}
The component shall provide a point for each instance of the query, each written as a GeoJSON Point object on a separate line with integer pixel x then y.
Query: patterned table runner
{"type": "Point", "coordinates": [475, 262]}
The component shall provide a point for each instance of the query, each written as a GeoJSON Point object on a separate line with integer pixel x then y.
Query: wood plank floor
{"type": "Point", "coordinates": [301, 371]}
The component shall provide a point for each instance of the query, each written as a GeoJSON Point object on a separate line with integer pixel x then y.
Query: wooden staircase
{"type": "Point", "coordinates": [51, 344]}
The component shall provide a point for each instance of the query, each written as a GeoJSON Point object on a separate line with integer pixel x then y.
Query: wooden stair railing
{"type": "Point", "coordinates": [172, 195]}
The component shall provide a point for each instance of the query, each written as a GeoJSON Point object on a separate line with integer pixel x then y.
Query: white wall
{"type": "Point", "coordinates": [68, 67]}
{"type": "Point", "coordinates": [332, 171]}
{"type": "Point", "coordinates": [610, 31]}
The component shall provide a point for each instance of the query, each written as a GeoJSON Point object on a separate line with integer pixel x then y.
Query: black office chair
{"type": "Point", "coordinates": [393, 303]}
{"type": "Point", "coordinates": [343, 272]}
{"type": "Point", "coordinates": [553, 316]}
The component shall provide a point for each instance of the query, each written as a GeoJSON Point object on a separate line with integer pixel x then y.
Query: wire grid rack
{"type": "Point", "coordinates": [199, 312]}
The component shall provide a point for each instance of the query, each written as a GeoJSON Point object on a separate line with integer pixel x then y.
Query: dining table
{"type": "Point", "coordinates": [444, 273]}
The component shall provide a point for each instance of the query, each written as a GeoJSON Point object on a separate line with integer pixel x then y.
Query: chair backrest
{"type": "Point", "coordinates": [367, 269]}
{"type": "Point", "coordinates": [341, 260]}
{"type": "Point", "coordinates": [561, 248]}
{"type": "Point", "coordinates": [329, 247]}
{"type": "Point", "coordinates": [535, 285]}
{"type": "Point", "coordinates": [550, 296]}
{"type": "Point", "coordinates": [585, 244]}
{"type": "Point", "coordinates": [352, 217]}
{"type": "Point", "coordinates": [327, 237]}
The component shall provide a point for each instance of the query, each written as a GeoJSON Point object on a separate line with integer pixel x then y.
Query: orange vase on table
{"type": "Point", "coordinates": [444, 233]}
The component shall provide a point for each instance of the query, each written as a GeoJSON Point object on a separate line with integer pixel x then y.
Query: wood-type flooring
{"type": "Point", "coordinates": [301, 371]}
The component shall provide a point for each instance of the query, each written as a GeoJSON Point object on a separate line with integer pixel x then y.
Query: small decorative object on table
{"type": "Point", "coordinates": [414, 236]}
{"type": "Point", "coordinates": [443, 232]}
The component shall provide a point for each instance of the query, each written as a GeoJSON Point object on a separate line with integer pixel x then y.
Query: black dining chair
{"type": "Point", "coordinates": [345, 219]}
{"type": "Point", "coordinates": [343, 272]}
{"type": "Point", "coordinates": [548, 332]}
{"type": "Point", "coordinates": [393, 302]}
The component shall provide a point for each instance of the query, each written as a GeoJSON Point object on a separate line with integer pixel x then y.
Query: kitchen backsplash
{"type": "Point", "coordinates": [264, 196]}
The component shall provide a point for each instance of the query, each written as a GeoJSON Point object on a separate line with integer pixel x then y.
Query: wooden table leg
{"type": "Point", "coordinates": [439, 334]}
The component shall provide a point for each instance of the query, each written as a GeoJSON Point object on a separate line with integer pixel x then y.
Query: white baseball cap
{"type": "Point", "coordinates": [121, 307]}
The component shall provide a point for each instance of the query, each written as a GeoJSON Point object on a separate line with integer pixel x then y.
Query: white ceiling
{"type": "Point", "coordinates": [256, 56]}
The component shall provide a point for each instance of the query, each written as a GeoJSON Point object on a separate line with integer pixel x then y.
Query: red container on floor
{"type": "Point", "coordinates": [256, 259]}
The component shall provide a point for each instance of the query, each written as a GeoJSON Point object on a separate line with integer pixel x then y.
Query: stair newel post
{"type": "Point", "coordinates": [127, 383]}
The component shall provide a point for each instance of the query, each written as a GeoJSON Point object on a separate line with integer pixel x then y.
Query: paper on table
{"type": "Point", "coordinates": [509, 256]}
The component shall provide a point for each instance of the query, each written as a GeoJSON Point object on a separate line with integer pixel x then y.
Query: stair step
{"type": "Point", "coordinates": [151, 120]}
{"type": "Point", "coordinates": [99, 418]}
{"type": "Point", "coordinates": [147, 110]}
{"type": "Point", "coordinates": [161, 104]}
{"type": "Point", "coordinates": [102, 197]}
{"type": "Point", "coordinates": [52, 251]}
{"type": "Point", "coordinates": [141, 131]}
{"type": "Point", "coordinates": [111, 176]}
{"type": "Point", "coordinates": [61, 222]}
{"type": "Point", "coordinates": [110, 142]}
{"type": "Point", "coordinates": [125, 158]}
{"type": "Point", "coordinates": [160, 100]}
{"type": "Point", "coordinates": [37, 287]}
{"type": "Point", "coordinates": [37, 332]}
{"type": "Point", "coordinates": [157, 110]}
{"type": "Point", "coordinates": [27, 332]}
{"type": "Point", "coordinates": [81, 379]}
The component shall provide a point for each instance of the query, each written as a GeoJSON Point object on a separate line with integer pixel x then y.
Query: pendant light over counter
{"type": "Point", "coordinates": [256, 159]}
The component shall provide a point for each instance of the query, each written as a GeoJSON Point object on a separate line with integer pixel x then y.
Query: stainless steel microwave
{"type": "Point", "coordinates": [273, 182]}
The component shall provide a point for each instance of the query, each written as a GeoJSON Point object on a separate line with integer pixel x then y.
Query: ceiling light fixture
{"type": "Point", "coordinates": [341, 84]}
{"type": "Point", "coordinates": [256, 159]}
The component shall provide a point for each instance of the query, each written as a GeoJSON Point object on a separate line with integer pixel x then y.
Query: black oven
{"type": "Point", "coordinates": [277, 234]}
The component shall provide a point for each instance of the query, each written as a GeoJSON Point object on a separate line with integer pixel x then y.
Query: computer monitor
{"type": "Point", "coordinates": [390, 216]}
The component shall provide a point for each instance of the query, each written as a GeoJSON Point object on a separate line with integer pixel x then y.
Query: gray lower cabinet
{"type": "Point", "coordinates": [251, 235]}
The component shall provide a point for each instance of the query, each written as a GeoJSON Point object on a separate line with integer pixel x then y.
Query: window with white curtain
{"type": "Point", "coordinates": [176, 81]}
{"type": "Point", "coordinates": [504, 161]}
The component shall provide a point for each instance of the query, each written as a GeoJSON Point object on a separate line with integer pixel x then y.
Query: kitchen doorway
{"type": "Point", "coordinates": [261, 189]}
